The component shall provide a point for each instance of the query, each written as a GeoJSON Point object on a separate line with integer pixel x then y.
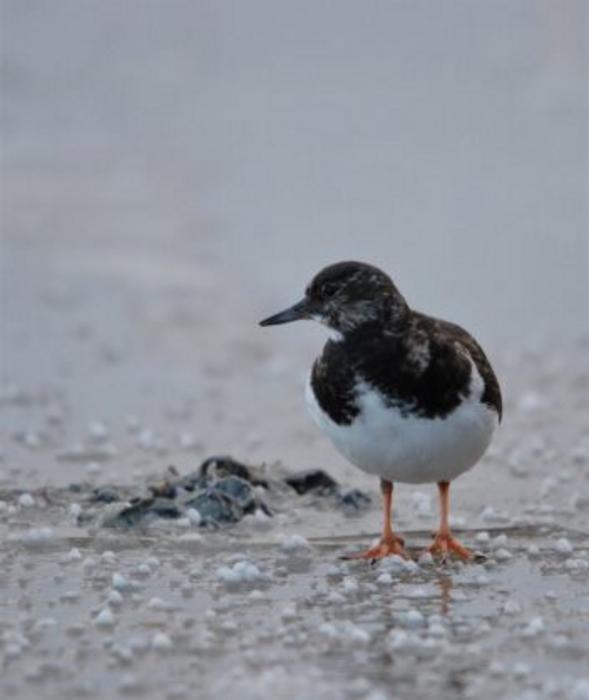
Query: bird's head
{"type": "Point", "coordinates": [346, 296]}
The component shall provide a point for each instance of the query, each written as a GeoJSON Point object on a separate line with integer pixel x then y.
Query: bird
{"type": "Point", "coordinates": [403, 396]}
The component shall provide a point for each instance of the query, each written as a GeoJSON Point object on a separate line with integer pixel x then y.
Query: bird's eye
{"type": "Point", "coordinates": [328, 289]}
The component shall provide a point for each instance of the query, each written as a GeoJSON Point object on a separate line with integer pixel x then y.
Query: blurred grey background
{"type": "Point", "coordinates": [173, 171]}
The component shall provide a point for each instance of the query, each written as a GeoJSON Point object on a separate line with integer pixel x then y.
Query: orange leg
{"type": "Point", "coordinates": [443, 541]}
{"type": "Point", "coordinates": [389, 542]}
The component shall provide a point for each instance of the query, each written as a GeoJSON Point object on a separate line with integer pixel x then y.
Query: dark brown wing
{"type": "Point", "coordinates": [492, 392]}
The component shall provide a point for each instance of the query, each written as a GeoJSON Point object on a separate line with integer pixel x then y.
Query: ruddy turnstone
{"type": "Point", "coordinates": [402, 395]}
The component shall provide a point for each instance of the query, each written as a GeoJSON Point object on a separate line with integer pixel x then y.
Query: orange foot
{"type": "Point", "coordinates": [385, 548]}
{"type": "Point", "coordinates": [444, 543]}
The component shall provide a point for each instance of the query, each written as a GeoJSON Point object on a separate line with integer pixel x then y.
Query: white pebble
{"type": "Point", "coordinates": [519, 466]}
{"type": "Point", "coordinates": [187, 589]}
{"type": "Point", "coordinates": [335, 598]}
{"type": "Point", "coordinates": [499, 541]}
{"type": "Point", "coordinates": [260, 520]}
{"type": "Point", "coordinates": [426, 559]}
{"type": "Point", "coordinates": [290, 543]}
{"type": "Point", "coordinates": [398, 639]}
{"type": "Point", "coordinates": [521, 670]}
{"type": "Point", "coordinates": [187, 441]}
{"type": "Point", "coordinates": [161, 642]}
{"type": "Point", "coordinates": [413, 618]}
{"type": "Point", "coordinates": [355, 634]}
{"type": "Point", "coordinates": [327, 629]}
{"type": "Point", "coordinates": [194, 516]}
{"type": "Point", "coordinates": [350, 585]}
{"type": "Point", "coordinates": [240, 572]}
{"type": "Point", "coordinates": [146, 439]}
{"type": "Point", "coordinates": [122, 653]}
{"type": "Point", "coordinates": [563, 546]}
{"type": "Point", "coordinates": [457, 521]}
{"type": "Point", "coordinates": [25, 500]}
{"type": "Point", "coordinates": [105, 618]}
{"type": "Point", "coordinates": [488, 513]}
{"type": "Point", "coordinates": [114, 599]}
{"type": "Point", "coordinates": [502, 554]}
{"type": "Point", "coordinates": [74, 555]}
{"type": "Point", "coordinates": [436, 630]}
{"type": "Point", "coordinates": [384, 579]}
{"type": "Point", "coordinates": [497, 669]}
{"type": "Point", "coordinates": [534, 627]}
{"type": "Point", "coordinates": [411, 566]}
{"type": "Point", "coordinates": [512, 607]}
{"type": "Point", "coordinates": [335, 569]}
{"type": "Point", "coordinates": [38, 535]}
{"type": "Point", "coordinates": [32, 439]}
{"type": "Point", "coordinates": [491, 515]}
{"type": "Point", "coordinates": [97, 431]}
{"type": "Point", "coordinates": [45, 623]}
{"type": "Point", "coordinates": [574, 564]}
{"type": "Point", "coordinates": [394, 564]}
{"type": "Point", "coordinates": [74, 511]}
{"type": "Point", "coordinates": [120, 583]}
{"type": "Point", "coordinates": [289, 612]}
{"type": "Point", "coordinates": [419, 592]}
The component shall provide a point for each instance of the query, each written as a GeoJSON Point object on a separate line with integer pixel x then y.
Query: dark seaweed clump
{"type": "Point", "coordinates": [319, 482]}
{"type": "Point", "coordinates": [222, 490]}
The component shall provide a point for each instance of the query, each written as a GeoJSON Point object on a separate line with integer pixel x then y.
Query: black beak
{"type": "Point", "coordinates": [295, 313]}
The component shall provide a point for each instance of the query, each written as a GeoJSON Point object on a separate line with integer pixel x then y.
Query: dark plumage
{"type": "Point", "coordinates": [423, 370]}
{"type": "Point", "coordinates": [422, 365]}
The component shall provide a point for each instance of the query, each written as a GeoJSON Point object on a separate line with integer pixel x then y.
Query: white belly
{"type": "Point", "coordinates": [409, 449]}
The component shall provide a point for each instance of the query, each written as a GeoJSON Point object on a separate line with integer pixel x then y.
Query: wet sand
{"type": "Point", "coordinates": [167, 181]}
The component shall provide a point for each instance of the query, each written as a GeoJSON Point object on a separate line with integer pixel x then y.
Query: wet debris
{"type": "Point", "coordinates": [222, 491]}
{"type": "Point", "coordinates": [319, 482]}
{"type": "Point", "coordinates": [227, 501]}
{"type": "Point", "coordinates": [136, 512]}
{"type": "Point", "coordinates": [227, 466]}
{"type": "Point", "coordinates": [105, 494]}
{"type": "Point", "coordinates": [354, 499]}
{"type": "Point", "coordinates": [315, 480]}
